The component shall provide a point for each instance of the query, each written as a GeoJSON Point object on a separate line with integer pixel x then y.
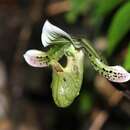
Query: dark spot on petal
{"type": "Point", "coordinates": [113, 79]}
{"type": "Point", "coordinates": [64, 79]}
{"type": "Point", "coordinates": [101, 73]}
{"type": "Point", "coordinates": [110, 71]}
{"type": "Point", "coordinates": [89, 55]}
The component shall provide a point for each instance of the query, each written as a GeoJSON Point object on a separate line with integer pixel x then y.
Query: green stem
{"type": "Point", "coordinates": [89, 49]}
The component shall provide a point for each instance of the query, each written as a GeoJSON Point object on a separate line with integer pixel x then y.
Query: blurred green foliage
{"type": "Point", "coordinates": [119, 27]}
{"type": "Point", "coordinates": [102, 8]}
{"type": "Point", "coordinates": [85, 103]}
{"type": "Point", "coordinates": [78, 7]}
{"type": "Point", "coordinates": [127, 59]}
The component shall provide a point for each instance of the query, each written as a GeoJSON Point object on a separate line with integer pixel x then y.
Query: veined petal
{"type": "Point", "coordinates": [119, 74]}
{"type": "Point", "coordinates": [36, 58]}
{"type": "Point", "coordinates": [51, 32]}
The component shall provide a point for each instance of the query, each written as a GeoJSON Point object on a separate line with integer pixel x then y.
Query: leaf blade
{"type": "Point", "coordinates": [127, 59]}
{"type": "Point", "coordinates": [119, 27]}
{"type": "Point", "coordinates": [104, 7]}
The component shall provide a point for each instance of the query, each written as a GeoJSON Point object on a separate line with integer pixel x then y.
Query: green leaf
{"type": "Point", "coordinates": [127, 59]}
{"type": "Point", "coordinates": [119, 27]}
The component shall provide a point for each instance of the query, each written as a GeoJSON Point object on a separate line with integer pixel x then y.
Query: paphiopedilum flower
{"type": "Point", "coordinates": [52, 34]}
{"type": "Point", "coordinates": [66, 81]}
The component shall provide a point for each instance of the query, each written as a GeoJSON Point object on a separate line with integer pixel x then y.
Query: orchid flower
{"type": "Point", "coordinates": [52, 34]}
{"type": "Point", "coordinates": [66, 81]}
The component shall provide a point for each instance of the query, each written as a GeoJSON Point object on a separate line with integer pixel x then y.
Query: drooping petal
{"type": "Point", "coordinates": [113, 73]}
{"type": "Point", "coordinates": [51, 32]}
{"type": "Point", "coordinates": [36, 58]}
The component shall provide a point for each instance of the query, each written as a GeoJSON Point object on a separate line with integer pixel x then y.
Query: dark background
{"type": "Point", "coordinates": [26, 101]}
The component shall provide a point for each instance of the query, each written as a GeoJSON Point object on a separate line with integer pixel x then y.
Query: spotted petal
{"type": "Point", "coordinates": [113, 73]}
{"type": "Point", "coordinates": [51, 32]}
{"type": "Point", "coordinates": [119, 74]}
{"type": "Point", "coordinates": [36, 58]}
